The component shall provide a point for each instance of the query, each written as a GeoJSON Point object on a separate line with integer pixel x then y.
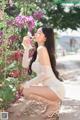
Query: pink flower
{"type": "Point", "coordinates": [38, 15]}
{"type": "Point", "coordinates": [1, 33]}
{"type": "Point", "coordinates": [22, 21]}
{"type": "Point", "coordinates": [14, 73]}
{"type": "Point", "coordinates": [31, 23]}
{"type": "Point", "coordinates": [17, 55]}
{"type": "Point", "coordinates": [13, 38]}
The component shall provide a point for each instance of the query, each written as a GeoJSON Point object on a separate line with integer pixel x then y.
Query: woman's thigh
{"type": "Point", "coordinates": [40, 91]}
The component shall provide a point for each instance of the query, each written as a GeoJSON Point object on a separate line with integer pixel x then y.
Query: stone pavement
{"type": "Point", "coordinates": [69, 67]}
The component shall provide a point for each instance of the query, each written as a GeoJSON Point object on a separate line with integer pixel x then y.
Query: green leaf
{"type": "Point", "coordinates": [1, 25]}
{"type": "Point", "coordinates": [11, 66]}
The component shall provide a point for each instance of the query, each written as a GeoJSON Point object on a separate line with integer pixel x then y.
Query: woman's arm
{"type": "Point", "coordinates": [27, 46]}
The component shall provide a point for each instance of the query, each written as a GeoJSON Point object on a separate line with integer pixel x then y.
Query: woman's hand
{"type": "Point", "coordinates": [26, 42]}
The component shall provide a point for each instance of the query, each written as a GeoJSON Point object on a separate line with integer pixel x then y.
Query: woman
{"type": "Point", "coordinates": [46, 85]}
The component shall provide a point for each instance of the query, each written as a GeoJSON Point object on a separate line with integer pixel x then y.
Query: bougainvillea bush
{"type": "Point", "coordinates": [12, 74]}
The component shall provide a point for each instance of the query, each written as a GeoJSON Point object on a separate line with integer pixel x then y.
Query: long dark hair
{"type": "Point", "coordinates": [50, 45]}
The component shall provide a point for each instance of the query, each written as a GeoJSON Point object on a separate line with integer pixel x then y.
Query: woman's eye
{"type": "Point", "coordinates": [39, 33]}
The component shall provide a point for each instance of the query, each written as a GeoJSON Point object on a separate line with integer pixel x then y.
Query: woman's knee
{"type": "Point", "coordinates": [27, 91]}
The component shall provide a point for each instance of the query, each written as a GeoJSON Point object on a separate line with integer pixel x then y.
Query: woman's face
{"type": "Point", "coordinates": [39, 36]}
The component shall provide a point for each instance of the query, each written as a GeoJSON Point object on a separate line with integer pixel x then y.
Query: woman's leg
{"type": "Point", "coordinates": [44, 92]}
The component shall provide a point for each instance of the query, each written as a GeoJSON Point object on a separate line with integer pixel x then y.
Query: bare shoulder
{"type": "Point", "coordinates": [42, 49]}
{"type": "Point", "coordinates": [42, 52]}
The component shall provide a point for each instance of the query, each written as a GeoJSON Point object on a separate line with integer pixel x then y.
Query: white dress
{"type": "Point", "coordinates": [45, 75]}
